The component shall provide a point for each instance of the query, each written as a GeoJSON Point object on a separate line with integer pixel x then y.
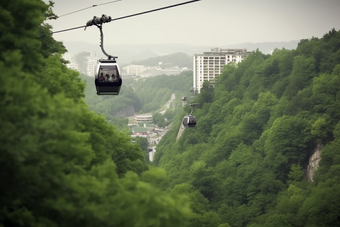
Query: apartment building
{"type": "Point", "coordinates": [143, 118]}
{"type": "Point", "coordinates": [72, 61]}
{"type": "Point", "coordinates": [151, 71]}
{"type": "Point", "coordinates": [92, 61]}
{"type": "Point", "coordinates": [134, 69]}
{"type": "Point", "coordinates": [209, 65]}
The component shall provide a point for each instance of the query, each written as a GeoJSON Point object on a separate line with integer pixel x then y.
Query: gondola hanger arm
{"type": "Point", "coordinates": [99, 21]}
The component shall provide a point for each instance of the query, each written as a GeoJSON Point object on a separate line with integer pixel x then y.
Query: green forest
{"type": "Point", "coordinates": [62, 164]}
{"type": "Point", "coordinates": [65, 160]}
{"type": "Point", "coordinates": [245, 162]}
{"type": "Point", "coordinates": [146, 95]}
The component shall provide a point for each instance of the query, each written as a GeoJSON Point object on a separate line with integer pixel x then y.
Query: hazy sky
{"type": "Point", "coordinates": [206, 22]}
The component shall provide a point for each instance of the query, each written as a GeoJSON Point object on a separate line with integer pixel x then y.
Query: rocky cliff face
{"type": "Point", "coordinates": [126, 112]}
{"type": "Point", "coordinates": [314, 162]}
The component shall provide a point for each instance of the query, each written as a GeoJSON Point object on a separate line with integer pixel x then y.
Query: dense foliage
{"type": "Point", "coordinates": [243, 165]}
{"type": "Point", "coordinates": [111, 106]}
{"type": "Point", "coordinates": [154, 92]}
{"type": "Point", "coordinates": [145, 95]}
{"type": "Point", "coordinates": [245, 162]}
{"type": "Point", "coordinates": [60, 163]}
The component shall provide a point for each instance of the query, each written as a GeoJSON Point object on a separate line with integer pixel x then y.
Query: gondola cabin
{"type": "Point", "coordinates": [189, 121]}
{"type": "Point", "coordinates": [107, 77]}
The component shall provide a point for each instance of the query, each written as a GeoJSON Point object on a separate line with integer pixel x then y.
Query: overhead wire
{"type": "Point", "coordinates": [105, 3]}
{"type": "Point", "coordinates": [131, 15]}
{"type": "Point", "coordinates": [153, 10]}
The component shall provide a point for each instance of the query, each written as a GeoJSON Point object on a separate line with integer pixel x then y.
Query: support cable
{"type": "Point", "coordinates": [89, 8]}
{"type": "Point", "coordinates": [192, 107]}
{"type": "Point", "coordinates": [132, 15]}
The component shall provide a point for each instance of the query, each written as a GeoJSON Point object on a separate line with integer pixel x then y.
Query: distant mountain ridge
{"type": "Point", "coordinates": [177, 59]}
{"type": "Point", "coordinates": [127, 53]}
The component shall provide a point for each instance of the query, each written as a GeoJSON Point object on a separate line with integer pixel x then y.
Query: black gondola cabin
{"type": "Point", "coordinates": [189, 121]}
{"type": "Point", "coordinates": [107, 77]}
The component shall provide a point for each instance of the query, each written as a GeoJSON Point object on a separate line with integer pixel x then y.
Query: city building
{"type": "Point", "coordinates": [134, 69]}
{"type": "Point", "coordinates": [142, 71]}
{"type": "Point", "coordinates": [144, 128]}
{"type": "Point", "coordinates": [72, 61]}
{"type": "Point", "coordinates": [209, 65]}
{"type": "Point", "coordinates": [139, 131]}
{"type": "Point", "coordinates": [92, 62]}
{"type": "Point", "coordinates": [143, 118]}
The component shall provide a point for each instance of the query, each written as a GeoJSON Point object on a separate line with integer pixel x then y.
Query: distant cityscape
{"type": "Point", "coordinates": [137, 71]}
{"type": "Point", "coordinates": [207, 66]}
{"type": "Point", "coordinates": [144, 127]}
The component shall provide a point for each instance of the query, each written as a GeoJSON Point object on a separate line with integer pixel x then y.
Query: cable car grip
{"type": "Point", "coordinates": [98, 21]}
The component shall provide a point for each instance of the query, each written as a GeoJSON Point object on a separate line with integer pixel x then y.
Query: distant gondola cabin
{"type": "Point", "coordinates": [189, 121]}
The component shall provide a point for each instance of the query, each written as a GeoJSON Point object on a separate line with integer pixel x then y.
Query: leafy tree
{"type": "Point", "coordinates": [201, 216]}
{"type": "Point", "coordinates": [57, 78]}
{"type": "Point", "coordinates": [296, 174]}
{"type": "Point", "coordinates": [207, 93]}
{"type": "Point", "coordinates": [255, 133]}
{"type": "Point", "coordinates": [61, 164]}
{"type": "Point", "coordinates": [302, 73]}
{"type": "Point", "coordinates": [287, 138]}
{"type": "Point", "coordinates": [143, 142]}
{"type": "Point", "coordinates": [49, 45]}
{"type": "Point", "coordinates": [319, 129]}
{"type": "Point", "coordinates": [158, 119]}
{"type": "Point", "coordinates": [203, 180]}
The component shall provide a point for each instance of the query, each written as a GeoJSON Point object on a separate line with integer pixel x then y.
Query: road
{"type": "Point", "coordinates": [167, 105]}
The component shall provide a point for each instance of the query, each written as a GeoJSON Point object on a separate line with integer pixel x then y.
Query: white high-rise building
{"type": "Point", "coordinates": [72, 61]}
{"type": "Point", "coordinates": [209, 65]}
{"type": "Point", "coordinates": [92, 61]}
{"type": "Point", "coordinates": [134, 69]}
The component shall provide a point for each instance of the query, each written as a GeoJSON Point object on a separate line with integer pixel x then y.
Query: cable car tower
{"type": "Point", "coordinates": [107, 76]}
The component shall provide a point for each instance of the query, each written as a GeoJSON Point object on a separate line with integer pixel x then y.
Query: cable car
{"type": "Point", "coordinates": [184, 98]}
{"type": "Point", "coordinates": [107, 77]}
{"type": "Point", "coordinates": [189, 121]}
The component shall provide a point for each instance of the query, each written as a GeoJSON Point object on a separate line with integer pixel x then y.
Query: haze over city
{"type": "Point", "coordinates": [206, 22]}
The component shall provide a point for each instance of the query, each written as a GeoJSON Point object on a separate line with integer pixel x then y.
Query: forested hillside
{"type": "Point", "coordinates": [60, 163]}
{"type": "Point", "coordinates": [154, 92]}
{"type": "Point", "coordinates": [146, 95]}
{"type": "Point", "coordinates": [110, 106]}
{"type": "Point", "coordinates": [244, 164]}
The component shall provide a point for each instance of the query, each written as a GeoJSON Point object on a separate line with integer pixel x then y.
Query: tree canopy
{"type": "Point", "coordinates": [256, 130]}
{"type": "Point", "coordinates": [244, 164]}
{"type": "Point", "coordinates": [60, 163]}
